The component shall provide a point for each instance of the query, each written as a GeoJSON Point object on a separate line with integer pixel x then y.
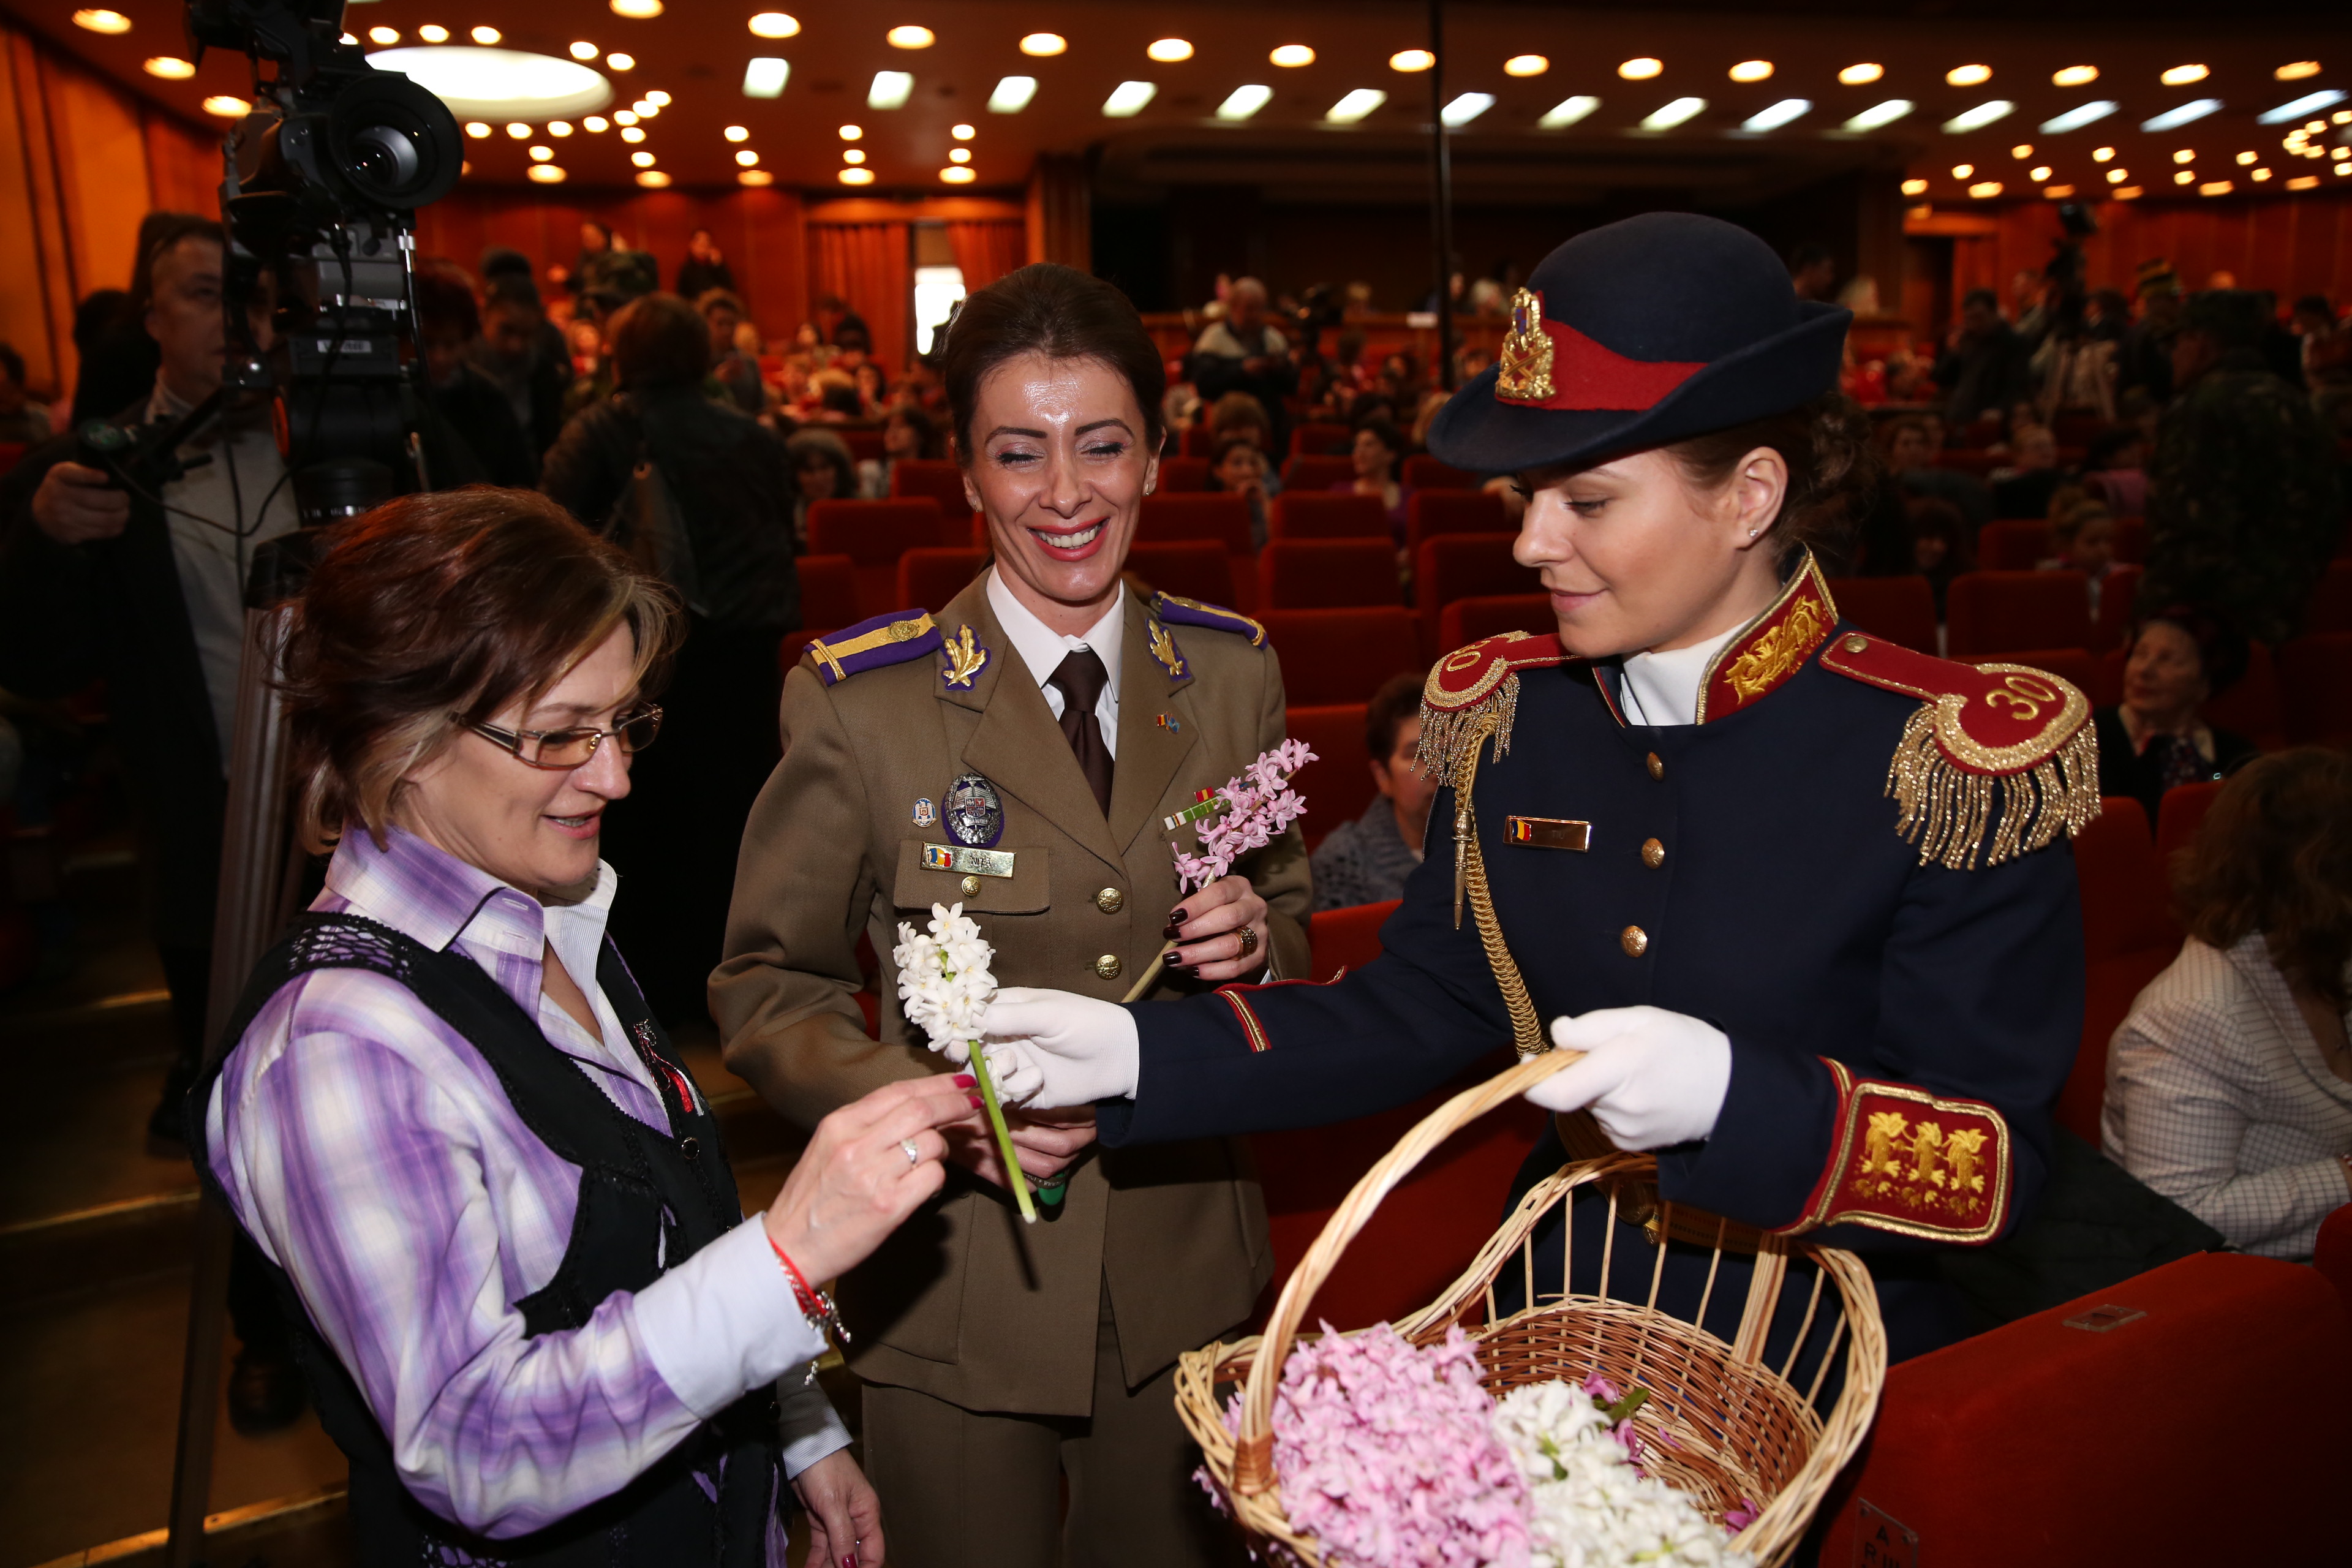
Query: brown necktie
{"type": "Point", "coordinates": [1080, 678]}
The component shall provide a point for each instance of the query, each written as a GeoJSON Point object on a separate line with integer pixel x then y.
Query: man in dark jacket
{"type": "Point", "coordinates": [1983, 368]}
{"type": "Point", "coordinates": [475, 407]}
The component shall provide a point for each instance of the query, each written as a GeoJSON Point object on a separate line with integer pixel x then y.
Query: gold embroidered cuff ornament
{"type": "Point", "coordinates": [1901, 1160]}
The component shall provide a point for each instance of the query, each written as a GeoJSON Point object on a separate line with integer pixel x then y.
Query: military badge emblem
{"type": "Point", "coordinates": [926, 813]}
{"type": "Point", "coordinates": [975, 813]}
{"type": "Point", "coordinates": [1164, 649]}
{"type": "Point", "coordinates": [966, 659]}
{"type": "Point", "coordinates": [1526, 375]}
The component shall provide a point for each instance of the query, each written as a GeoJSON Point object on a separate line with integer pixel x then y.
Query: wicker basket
{"type": "Point", "coordinates": [1734, 1427]}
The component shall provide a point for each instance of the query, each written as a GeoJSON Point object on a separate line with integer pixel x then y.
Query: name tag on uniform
{"type": "Point", "coordinates": [967, 861]}
{"type": "Point", "coordinates": [1547, 833]}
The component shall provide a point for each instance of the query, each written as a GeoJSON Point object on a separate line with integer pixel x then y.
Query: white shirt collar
{"type": "Point", "coordinates": [1042, 648]}
{"type": "Point", "coordinates": [1662, 688]}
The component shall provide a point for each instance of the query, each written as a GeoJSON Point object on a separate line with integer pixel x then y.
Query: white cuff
{"type": "Point", "coordinates": [810, 1428]}
{"type": "Point", "coordinates": [724, 1321]}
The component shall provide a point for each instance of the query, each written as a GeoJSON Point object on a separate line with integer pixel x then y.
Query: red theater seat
{"type": "Point", "coordinates": [1320, 441]}
{"type": "Point", "coordinates": [1341, 939]}
{"type": "Point", "coordinates": [1424, 472]}
{"type": "Point", "coordinates": [2315, 688]}
{"type": "Point", "coordinates": [794, 644]}
{"type": "Point", "coordinates": [2332, 1257]}
{"type": "Point", "coordinates": [2040, 1444]}
{"type": "Point", "coordinates": [2331, 603]}
{"type": "Point", "coordinates": [1992, 612]}
{"type": "Point", "coordinates": [2113, 624]}
{"type": "Point", "coordinates": [1309, 515]}
{"type": "Point", "coordinates": [1342, 654]}
{"type": "Point", "coordinates": [930, 578]}
{"type": "Point", "coordinates": [2129, 938]}
{"type": "Point", "coordinates": [1463, 566]}
{"type": "Point", "coordinates": [2013, 544]}
{"type": "Point", "coordinates": [1224, 518]}
{"type": "Point", "coordinates": [12, 453]}
{"type": "Point", "coordinates": [828, 591]}
{"type": "Point", "coordinates": [1338, 785]}
{"type": "Point", "coordinates": [1196, 440]}
{"type": "Point", "coordinates": [874, 534]}
{"type": "Point", "coordinates": [1184, 476]}
{"type": "Point", "coordinates": [1307, 472]}
{"type": "Point", "coordinates": [865, 444]}
{"type": "Point", "coordinates": [1327, 574]}
{"type": "Point", "coordinates": [1465, 621]}
{"type": "Point", "coordinates": [1428, 513]}
{"type": "Point", "coordinates": [1900, 609]}
{"type": "Point", "coordinates": [934, 476]}
{"type": "Point", "coordinates": [1188, 568]}
{"type": "Point", "coordinates": [2131, 539]}
{"type": "Point", "coordinates": [2179, 813]}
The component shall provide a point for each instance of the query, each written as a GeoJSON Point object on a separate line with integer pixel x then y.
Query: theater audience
{"type": "Point", "coordinates": [704, 268]}
{"type": "Point", "coordinates": [1943, 545]}
{"type": "Point", "coordinates": [2230, 1083]}
{"type": "Point", "coordinates": [2023, 488]}
{"type": "Point", "coordinates": [21, 418]}
{"type": "Point", "coordinates": [2157, 737]}
{"type": "Point", "coordinates": [2082, 538]}
{"type": "Point", "coordinates": [1910, 445]}
{"type": "Point", "coordinates": [1239, 413]}
{"type": "Point", "coordinates": [1237, 466]}
{"type": "Point", "coordinates": [1377, 452]}
{"type": "Point", "coordinates": [1367, 861]}
{"type": "Point", "coordinates": [823, 470]}
{"type": "Point", "coordinates": [2144, 361]}
{"type": "Point", "coordinates": [908, 432]}
{"type": "Point", "coordinates": [737, 373]}
{"type": "Point", "coordinates": [525, 356]}
{"type": "Point", "coordinates": [474, 406]}
{"type": "Point", "coordinates": [1983, 367]}
{"type": "Point", "coordinates": [2112, 470]}
{"type": "Point", "coordinates": [1246, 352]}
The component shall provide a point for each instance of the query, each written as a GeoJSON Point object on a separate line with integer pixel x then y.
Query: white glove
{"type": "Point", "coordinates": [1054, 1048]}
{"type": "Point", "coordinates": [1652, 1079]}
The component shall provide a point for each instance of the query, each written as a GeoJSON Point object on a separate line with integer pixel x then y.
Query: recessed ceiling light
{"type": "Point", "coordinates": [1128, 99]}
{"type": "Point", "coordinates": [113, 22]}
{"type": "Point", "coordinates": [1411, 60]}
{"type": "Point", "coordinates": [1862, 75]}
{"type": "Point", "coordinates": [910, 38]}
{"type": "Point", "coordinates": [1641, 69]}
{"type": "Point", "coordinates": [2300, 183]}
{"type": "Point", "coordinates": [596, 122]}
{"type": "Point", "coordinates": [1977, 119]}
{"type": "Point", "coordinates": [959, 155]}
{"type": "Point", "coordinates": [517, 129]}
{"type": "Point", "coordinates": [642, 159]}
{"type": "Point", "coordinates": [856, 176]}
{"type": "Point", "coordinates": [229, 106]}
{"type": "Point", "coordinates": [625, 116]}
{"type": "Point", "coordinates": [754, 177]}
{"type": "Point", "coordinates": [1043, 44]}
{"type": "Point", "coordinates": [486, 37]}
{"type": "Point", "coordinates": [658, 98]}
{"type": "Point", "coordinates": [1915, 187]}
{"type": "Point", "coordinates": [2125, 193]}
{"type": "Point", "coordinates": [559, 128]}
{"type": "Point", "coordinates": [1465, 109]}
{"type": "Point", "coordinates": [1168, 51]}
{"type": "Point", "coordinates": [1962, 171]}
{"type": "Point", "coordinates": [2174, 119]}
{"type": "Point", "coordinates": [2057, 193]}
{"type": "Point", "coordinates": [1011, 94]}
{"type": "Point", "coordinates": [499, 84]}
{"type": "Point", "coordinates": [957, 174]}
{"type": "Point", "coordinates": [1969, 76]}
{"type": "Point", "coordinates": [2294, 70]}
{"type": "Point", "coordinates": [2117, 176]}
{"type": "Point", "coordinates": [547, 174]}
{"type": "Point", "coordinates": [737, 133]}
{"type": "Point", "coordinates": [384, 35]}
{"type": "Point", "coordinates": [1879, 115]}
{"type": "Point", "coordinates": [745, 157]}
{"type": "Point", "coordinates": [1673, 112]}
{"type": "Point", "coordinates": [1292, 55]}
{"type": "Point", "coordinates": [774, 24]}
{"type": "Point", "coordinates": [1776, 115]}
{"type": "Point", "coordinates": [2022, 151]}
{"type": "Point", "coordinates": [2101, 154]}
{"type": "Point", "coordinates": [2185, 155]}
{"type": "Point", "coordinates": [2215, 188]}
{"type": "Point", "coordinates": [1245, 102]}
{"type": "Point", "coordinates": [541, 154]}
{"type": "Point", "coordinates": [2074, 76]}
{"type": "Point", "coordinates": [636, 10]}
{"type": "Point", "coordinates": [2260, 175]}
{"type": "Point", "coordinates": [1353, 107]}
{"type": "Point", "coordinates": [346, 41]}
{"type": "Point", "coordinates": [2082, 114]}
{"type": "Point", "coordinates": [2039, 173]}
{"type": "Point", "coordinates": [1752, 70]}
{"type": "Point", "coordinates": [621, 62]}
{"type": "Point", "coordinates": [1984, 188]}
{"type": "Point", "coordinates": [1527, 65]}
{"type": "Point", "coordinates": [633, 133]}
{"type": "Point", "coordinates": [434, 32]}
{"type": "Point", "coordinates": [853, 154]}
{"type": "Point", "coordinates": [890, 90]}
{"type": "Point", "coordinates": [963, 132]}
{"type": "Point", "coordinates": [647, 108]}
{"type": "Point", "coordinates": [2181, 75]}
{"type": "Point", "coordinates": [852, 132]}
{"type": "Point", "coordinates": [2323, 98]}
{"type": "Point", "coordinates": [652, 179]}
{"type": "Point", "coordinates": [2184, 177]}
{"type": "Point", "coordinates": [171, 68]}
{"type": "Point", "coordinates": [1567, 111]}
{"type": "Point", "coordinates": [583, 50]}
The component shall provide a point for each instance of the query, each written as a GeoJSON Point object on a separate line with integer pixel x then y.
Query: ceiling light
{"type": "Point", "coordinates": [890, 90]}
{"type": "Point", "coordinates": [434, 32]}
{"type": "Point", "coordinates": [632, 133]}
{"type": "Point", "coordinates": [1641, 69]}
{"type": "Point", "coordinates": [1962, 171]}
{"type": "Point", "coordinates": [346, 41]}
{"type": "Point", "coordinates": [658, 98]}
{"type": "Point", "coordinates": [1778, 115]}
{"type": "Point", "coordinates": [541, 154]}
{"type": "Point", "coordinates": [2074, 118]}
{"type": "Point", "coordinates": [113, 22]}
{"type": "Point", "coordinates": [1128, 99]}
{"type": "Point", "coordinates": [486, 37]}
{"type": "Point", "coordinates": [583, 50]}
{"type": "Point", "coordinates": [1527, 65]}
{"type": "Point", "coordinates": [1013, 94]}
{"type": "Point", "coordinates": [171, 68]}
{"type": "Point", "coordinates": [546, 174]}
{"type": "Point", "coordinates": [2101, 154]}
{"type": "Point", "coordinates": [2039, 173]}
{"type": "Point", "coordinates": [2181, 75]}
{"type": "Point", "coordinates": [596, 122]}
{"type": "Point", "coordinates": [2125, 193]}
{"type": "Point", "coordinates": [2117, 176]}
{"type": "Point", "coordinates": [1879, 115]}
{"type": "Point", "coordinates": [1673, 112]}
{"type": "Point", "coordinates": [853, 154]}
{"type": "Point", "coordinates": [636, 10]}
{"type": "Point", "coordinates": [1862, 75]}
{"type": "Point", "coordinates": [1567, 111]}
{"type": "Point", "coordinates": [1969, 76]}
{"type": "Point", "coordinates": [959, 155]}
{"type": "Point", "coordinates": [2022, 152]}
{"type": "Point", "coordinates": [2057, 193]}
{"type": "Point", "coordinates": [2174, 118]}
{"type": "Point", "coordinates": [1465, 109]}
{"type": "Point", "coordinates": [1411, 60]}
{"type": "Point", "coordinates": [2302, 106]}
{"type": "Point", "coordinates": [2294, 70]}
{"type": "Point", "coordinates": [646, 108]}
{"type": "Point", "coordinates": [1245, 102]}
{"type": "Point", "coordinates": [652, 179]}
{"type": "Point", "coordinates": [910, 38]}
{"type": "Point", "coordinates": [559, 128]}
{"type": "Point", "coordinates": [764, 76]}
{"type": "Point", "coordinates": [957, 174]}
{"type": "Point", "coordinates": [1977, 119]}
{"type": "Point", "coordinates": [229, 106]}
{"type": "Point", "coordinates": [1915, 187]}
{"type": "Point", "coordinates": [621, 62]}
{"type": "Point", "coordinates": [2245, 158]}
{"type": "Point", "coordinates": [745, 157]}
{"type": "Point", "coordinates": [1752, 70]}
{"type": "Point", "coordinates": [625, 116]}
{"type": "Point", "coordinates": [384, 35]}
{"type": "Point", "coordinates": [1043, 44]}
{"type": "Point", "coordinates": [2185, 155]}
{"type": "Point", "coordinates": [737, 133]}
{"type": "Point", "coordinates": [1356, 105]}
{"type": "Point", "coordinates": [963, 132]}
{"type": "Point", "coordinates": [856, 176]}
{"type": "Point", "coordinates": [517, 129]}
{"type": "Point", "coordinates": [1168, 51]}
{"type": "Point", "coordinates": [1984, 188]}
{"type": "Point", "coordinates": [2074, 76]}
{"type": "Point", "coordinates": [754, 177]}
{"type": "Point", "coordinates": [2261, 173]}
{"type": "Point", "coordinates": [2215, 188]}
{"type": "Point", "coordinates": [1292, 55]}
{"type": "Point", "coordinates": [774, 24]}
{"type": "Point", "coordinates": [642, 159]}
{"type": "Point", "coordinates": [2184, 177]}
{"type": "Point", "coordinates": [2342, 117]}
{"type": "Point", "coordinates": [2300, 183]}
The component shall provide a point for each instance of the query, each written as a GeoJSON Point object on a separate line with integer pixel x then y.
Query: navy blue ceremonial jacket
{"type": "Point", "coordinates": [1746, 870]}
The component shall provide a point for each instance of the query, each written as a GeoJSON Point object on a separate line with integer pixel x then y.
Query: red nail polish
{"type": "Point", "coordinates": [977, 1103]}
{"type": "Point", "coordinates": [965, 1080]}
{"type": "Point", "coordinates": [848, 1561]}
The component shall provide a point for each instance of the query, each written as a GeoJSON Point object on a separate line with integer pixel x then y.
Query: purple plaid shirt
{"type": "Point", "coordinates": [372, 1153]}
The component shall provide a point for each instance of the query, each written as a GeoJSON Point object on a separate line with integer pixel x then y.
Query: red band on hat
{"type": "Point", "coordinates": [1586, 376]}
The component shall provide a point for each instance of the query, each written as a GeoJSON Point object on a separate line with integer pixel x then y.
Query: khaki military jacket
{"type": "Point", "coordinates": [965, 1302]}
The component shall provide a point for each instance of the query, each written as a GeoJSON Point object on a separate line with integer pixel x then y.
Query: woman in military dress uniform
{"type": "Point", "coordinates": [1016, 755]}
{"type": "Point", "coordinates": [1801, 895]}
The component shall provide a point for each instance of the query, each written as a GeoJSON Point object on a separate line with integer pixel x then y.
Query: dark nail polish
{"type": "Point", "coordinates": [965, 1080]}
{"type": "Point", "coordinates": [1178, 916]}
{"type": "Point", "coordinates": [1171, 933]}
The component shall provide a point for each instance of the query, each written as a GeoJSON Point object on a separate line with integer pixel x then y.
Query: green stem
{"type": "Point", "coordinates": [1016, 1178]}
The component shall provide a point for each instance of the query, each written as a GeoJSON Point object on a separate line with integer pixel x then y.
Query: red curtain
{"type": "Point", "coordinates": [867, 264]}
{"type": "Point", "coordinates": [987, 251]}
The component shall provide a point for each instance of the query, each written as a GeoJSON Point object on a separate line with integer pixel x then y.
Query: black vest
{"type": "Point", "coordinates": [646, 1202]}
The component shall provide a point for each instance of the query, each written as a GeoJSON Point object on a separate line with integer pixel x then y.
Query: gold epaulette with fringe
{"type": "Point", "coordinates": [1999, 760]}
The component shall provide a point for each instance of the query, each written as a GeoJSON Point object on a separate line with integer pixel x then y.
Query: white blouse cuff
{"type": "Point", "coordinates": [724, 1321]}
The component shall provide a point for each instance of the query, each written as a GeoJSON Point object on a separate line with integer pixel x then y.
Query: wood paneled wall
{"type": "Point", "coordinates": [2294, 243]}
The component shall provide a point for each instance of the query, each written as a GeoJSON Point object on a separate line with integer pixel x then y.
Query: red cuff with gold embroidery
{"type": "Point", "coordinates": [1904, 1161]}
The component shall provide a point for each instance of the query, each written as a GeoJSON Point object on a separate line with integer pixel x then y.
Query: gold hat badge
{"type": "Point", "coordinates": [1526, 375]}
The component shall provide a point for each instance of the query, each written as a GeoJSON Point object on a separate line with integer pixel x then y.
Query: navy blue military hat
{"type": "Point", "coordinates": [1652, 330]}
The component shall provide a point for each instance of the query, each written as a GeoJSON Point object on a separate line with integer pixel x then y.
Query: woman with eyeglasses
{"type": "Point", "coordinates": [529, 1306]}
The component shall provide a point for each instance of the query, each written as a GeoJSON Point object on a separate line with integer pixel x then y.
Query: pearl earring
{"type": "Point", "coordinates": [1753, 532]}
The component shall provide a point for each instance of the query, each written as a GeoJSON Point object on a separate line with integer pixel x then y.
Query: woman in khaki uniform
{"type": "Point", "coordinates": [1017, 754]}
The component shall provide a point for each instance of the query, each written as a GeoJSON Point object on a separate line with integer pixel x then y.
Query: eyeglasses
{"type": "Point", "coordinates": [562, 750]}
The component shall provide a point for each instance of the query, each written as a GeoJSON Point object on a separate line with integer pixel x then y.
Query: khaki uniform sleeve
{"type": "Point", "coordinates": [1281, 875]}
{"type": "Point", "coordinates": [784, 994]}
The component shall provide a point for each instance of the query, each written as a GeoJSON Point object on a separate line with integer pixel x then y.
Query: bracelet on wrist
{"type": "Point", "coordinates": [814, 1304]}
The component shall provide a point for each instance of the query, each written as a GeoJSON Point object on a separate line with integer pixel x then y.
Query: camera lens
{"type": "Point", "coordinates": [391, 144]}
{"type": "Point", "coordinates": [383, 157]}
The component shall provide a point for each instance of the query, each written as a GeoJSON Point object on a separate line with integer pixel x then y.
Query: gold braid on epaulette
{"type": "Point", "coordinates": [1947, 809]}
{"type": "Point", "coordinates": [1470, 880]}
{"type": "Point", "coordinates": [1447, 734]}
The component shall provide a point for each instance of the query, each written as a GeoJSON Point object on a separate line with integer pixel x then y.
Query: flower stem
{"type": "Point", "coordinates": [1016, 1178]}
{"type": "Point", "coordinates": [1150, 976]}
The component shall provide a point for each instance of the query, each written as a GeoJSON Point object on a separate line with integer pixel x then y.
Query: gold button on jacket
{"type": "Point", "coordinates": [1654, 854]}
{"type": "Point", "coordinates": [1634, 941]}
{"type": "Point", "coordinates": [965, 1303]}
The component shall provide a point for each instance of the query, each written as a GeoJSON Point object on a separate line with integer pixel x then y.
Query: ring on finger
{"type": "Point", "coordinates": [907, 1147]}
{"type": "Point", "coordinates": [1249, 941]}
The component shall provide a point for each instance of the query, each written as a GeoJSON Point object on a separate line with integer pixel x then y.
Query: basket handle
{"type": "Point", "coordinates": [1254, 1443]}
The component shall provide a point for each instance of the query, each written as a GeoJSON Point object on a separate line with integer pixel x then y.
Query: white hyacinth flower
{"type": "Point", "coordinates": [1590, 1506]}
{"type": "Point", "coordinates": [943, 976]}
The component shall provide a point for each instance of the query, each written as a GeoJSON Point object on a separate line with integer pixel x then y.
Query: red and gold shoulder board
{"type": "Point", "coordinates": [1999, 759]}
{"type": "Point", "coordinates": [1473, 692]}
{"type": "Point", "coordinates": [1905, 1161]}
